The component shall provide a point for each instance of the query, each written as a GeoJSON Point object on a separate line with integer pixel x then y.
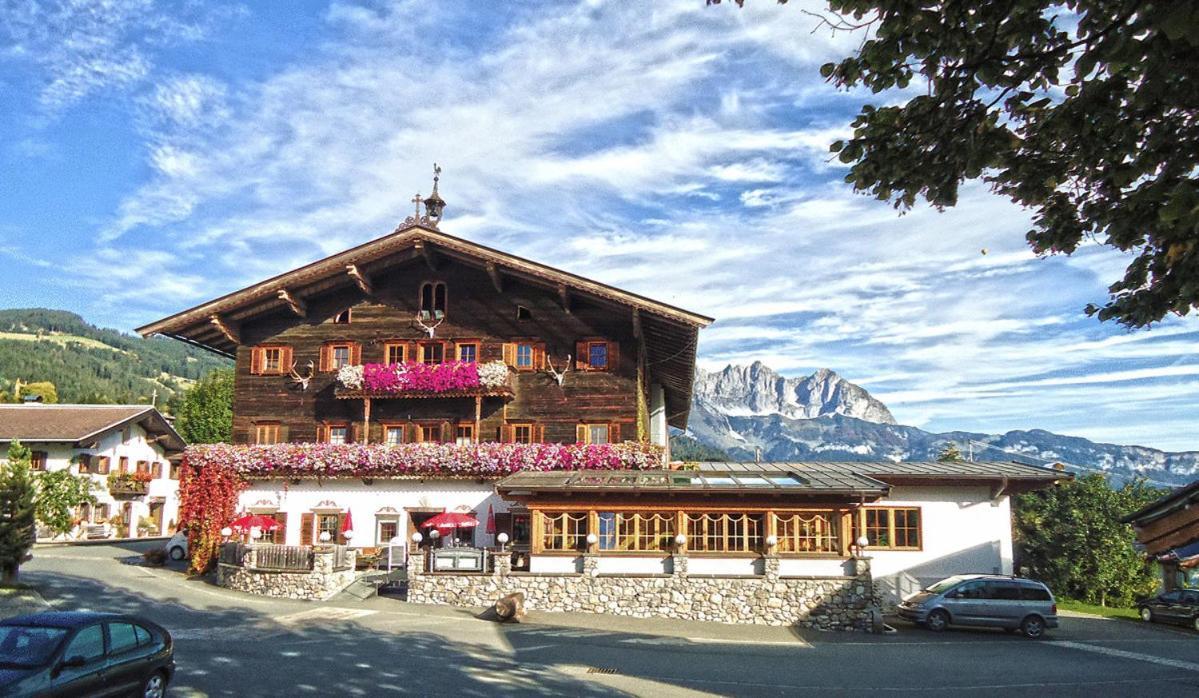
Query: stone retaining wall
{"type": "Point", "coordinates": [318, 584]}
{"type": "Point", "coordinates": [825, 603]}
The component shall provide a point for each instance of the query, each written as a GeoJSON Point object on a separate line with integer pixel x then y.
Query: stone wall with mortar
{"type": "Point", "coordinates": [318, 584]}
{"type": "Point", "coordinates": [824, 603]}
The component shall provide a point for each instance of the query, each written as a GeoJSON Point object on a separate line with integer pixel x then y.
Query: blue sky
{"type": "Point", "coordinates": [157, 154]}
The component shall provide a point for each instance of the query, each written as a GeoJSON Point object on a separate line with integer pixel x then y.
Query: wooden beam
{"type": "Point", "coordinates": [496, 280]}
{"type": "Point", "coordinates": [227, 329]}
{"type": "Point", "coordinates": [363, 281]}
{"type": "Point", "coordinates": [564, 297]}
{"type": "Point", "coordinates": [297, 306]}
{"type": "Point", "coordinates": [637, 323]}
{"type": "Point", "coordinates": [428, 253]}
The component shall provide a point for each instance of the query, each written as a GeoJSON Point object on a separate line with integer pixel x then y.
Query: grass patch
{"type": "Point", "coordinates": [1105, 611]}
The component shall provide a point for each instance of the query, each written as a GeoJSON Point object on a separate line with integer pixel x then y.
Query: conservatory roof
{"type": "Point", "coordinates": [774, 482]}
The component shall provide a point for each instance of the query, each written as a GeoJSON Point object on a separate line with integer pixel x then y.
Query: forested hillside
{"type": "Point", "coordinates": [88, 364]}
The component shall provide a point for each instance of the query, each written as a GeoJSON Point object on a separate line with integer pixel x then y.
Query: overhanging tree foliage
{"type": "Point", "coordinates": [16, 511]}
{"type": "Point", "coordinates": [1084, 111]}
{"type": "Point", "coordinates": [205, 415]}
{"type": "Point", "coordinates": [1071, 538]}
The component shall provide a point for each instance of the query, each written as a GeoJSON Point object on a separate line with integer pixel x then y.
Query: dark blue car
{"type": "Point", "coordinates": [84, 654]}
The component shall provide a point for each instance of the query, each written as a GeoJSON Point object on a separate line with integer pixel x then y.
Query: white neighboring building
{"type": "Point", "coordinates": [129, 450]}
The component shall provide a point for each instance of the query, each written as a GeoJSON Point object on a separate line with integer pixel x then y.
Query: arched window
{"type": "Point", "coordinates": [432, 300]}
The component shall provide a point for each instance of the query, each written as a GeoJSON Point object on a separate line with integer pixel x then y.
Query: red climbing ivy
{"type": "Point", "coordinates": [207, 503]}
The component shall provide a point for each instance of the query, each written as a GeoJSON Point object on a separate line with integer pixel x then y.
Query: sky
{"type": "Point", "coordinates": [154, 155]}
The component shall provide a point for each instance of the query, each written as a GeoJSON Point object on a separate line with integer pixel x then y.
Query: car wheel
{"type": "Point", "coordinates": [1032, 627]}
{"type": "Point", "coordinates": [937, 621]}
{"type": "Point", "coordinates": [1146, 614]}
{"type": "Point", "coordinates": [176, 553]}
{"type": "Point", "coordinates": [155, 686]}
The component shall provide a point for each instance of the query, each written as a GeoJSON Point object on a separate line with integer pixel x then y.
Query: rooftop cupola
{"type": "Point", "coordinates": [434, 205]}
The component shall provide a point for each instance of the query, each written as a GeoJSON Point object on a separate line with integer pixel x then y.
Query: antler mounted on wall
{"type": "Point", "coordinates": [558, 375]}
{"type": "Point", "coordinates": [302, 381]}
{"type": "Point", "coordinates": [431, 329]}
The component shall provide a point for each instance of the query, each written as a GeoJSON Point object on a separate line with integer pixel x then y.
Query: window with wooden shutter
{"type": "Point", "coordinates": [581, 434]}
{"type": "Point", "coordinates": [173, 471]}
{"type": "Point", "coordinates": [522, 433]}
{"type": "Point", "coordinates": [307, 526]}
{"type": "Point", "coordinates": [393, 434]}
{"type": "Point", "coordinates": [467, 352]}
{"type": "Point", "coordinates": [270, 360]}
{"type": "Point", "coordinates": [596, 355]}
{"type": "Point", "coordinates": [525, 356]}
{"type": "Point", "coordinates": [337, 433]}
{"type": "Point", "coordinates": [334, 355]}
{"type": "Point", "coordinates": [322, 435]}
{"type": "Point", "coordinates": [510, 354]}
{"type": "Point", "coordinates": [123, 464]}
{"type": "Point", "coordinates": [506, 435]}
{"type": "Point", "coordinates": [102, 465]}
{"type": "Point", "coordinates": [156, 470]}
{"type": "Point", "coordinates": [395, 353]}
{"type": "Point", "coordinates": [266, 433]}
{"type": "Point", "coordinates": [432, 352]}
{"type": "Point", "coordinates": [613, 432]}
{"type": "Point", "coordinates": [38, 460]}
{"type": "Point", "coordinates": [596, 433]}
{"type": "Point", "coordinates": [279, 535]}
{"type": "Point", "coordinates": [464, 434]}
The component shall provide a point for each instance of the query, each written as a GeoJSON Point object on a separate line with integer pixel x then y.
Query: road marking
{"type": "Point", "coordinates": [1123, 654]}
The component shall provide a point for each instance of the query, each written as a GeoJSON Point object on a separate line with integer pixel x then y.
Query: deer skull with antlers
{"type": "Point", "coordinates": [302, 381]}
{"type": "Point", "coordinates": [558, 375]}
{"type": "Point", "coordinates": [430, 329]}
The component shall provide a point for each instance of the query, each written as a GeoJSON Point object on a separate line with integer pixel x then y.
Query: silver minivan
{"type": "Point", "coordinates": [985, 600]}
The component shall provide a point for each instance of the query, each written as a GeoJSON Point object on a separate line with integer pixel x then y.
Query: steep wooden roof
{"type": "Point", "coordinates": [670, 333]}
{"type": "Point", "coordinates": [79, 425]}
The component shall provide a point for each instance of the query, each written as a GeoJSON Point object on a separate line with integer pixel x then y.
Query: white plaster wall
{"type": "Point", "coordinates": [112, 445]}
{"type": "Point", "coordinates": [633, 565]}
{"type": "Point", "coordinates": [963, 531]}
{"type": "Point", "coordinates": [823, 567]}
{"type": "Point", "coordinates": [364, 501]}
{"type": "Point", "coordinates": [658, 431]}
{"type": "Point", "coordinates": [555, 564]}
{"type": "Point", "coordinates": [724, 566]}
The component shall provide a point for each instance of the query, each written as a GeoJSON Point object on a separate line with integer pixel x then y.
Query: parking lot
{"type": "Point", "coordinates": [234, 644]}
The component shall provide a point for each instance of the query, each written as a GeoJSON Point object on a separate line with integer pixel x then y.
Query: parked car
{"type": "Point", "coordinates": [177, 546]}
{"type": "Point", "coordinates": [79, 653]}
{"type": "Point", "coordinates": [1179, 606]}
{"type": "Point", "coordinates": [984, 600]}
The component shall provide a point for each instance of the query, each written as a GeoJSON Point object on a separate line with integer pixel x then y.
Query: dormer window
{"type": "Point", "coordinates": [342, 318]}
{"type": "Point", "coordinates": [432, 300]}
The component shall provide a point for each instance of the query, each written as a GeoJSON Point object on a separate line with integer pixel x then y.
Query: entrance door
{"type": "Point", "coordinates": [156, 517]}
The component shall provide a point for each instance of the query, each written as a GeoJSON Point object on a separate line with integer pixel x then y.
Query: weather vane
{"type": "Point", "coordinates": [434, 205]}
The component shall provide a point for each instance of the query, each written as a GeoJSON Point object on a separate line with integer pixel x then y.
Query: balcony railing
{"type": "Point", "coordinates": [416, 380]}
{"type": "Point", "coordinates": [301, 460]}
{"type": "Point", "coordinates": [127, 485]}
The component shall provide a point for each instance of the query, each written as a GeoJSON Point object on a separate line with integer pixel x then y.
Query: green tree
{"type": "Point", "coordinates": [950, 453]}
{"type": "Point", "coordinates": [1071, 538]}
{"type": "Point", "coordinates": [58, 493]}
{"type": "Point", "coordinates": [1082, 111]}
{"type": "Point", "coordinates": [45, 389]}
{"type": "Point", "coordinates": [205, 414]}
{"type": "Point", "coordinates": [16, 511]}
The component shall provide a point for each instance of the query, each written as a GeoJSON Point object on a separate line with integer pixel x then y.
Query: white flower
{"type": "Point", "coordinates": [493, 374]}
{"type": "Point", "coordinates": [350, 377]}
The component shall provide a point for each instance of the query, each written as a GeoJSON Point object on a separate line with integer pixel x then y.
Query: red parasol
{"type": "Point", "coordinates": [258, 521]}
{"type": "Point", "coordinates": [490, 521]}
{"type": "Point", "coordinates": [451, 519]}
{"type": "Point", "coordinates": [347, 524]}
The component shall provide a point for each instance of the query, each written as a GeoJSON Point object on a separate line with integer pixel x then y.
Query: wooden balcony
{"type": "Point", "coordinates": [126, 487]}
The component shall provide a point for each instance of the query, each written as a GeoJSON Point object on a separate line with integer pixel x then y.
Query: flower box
{"type": "Point", "coordinates": [431, 460]}
{"type": "Point", "coordinates": [417, 379]}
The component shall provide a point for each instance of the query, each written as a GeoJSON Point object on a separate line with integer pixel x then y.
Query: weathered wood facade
{"type": "Point", "coordinates": [364, 306]}
{"type": "Point", "coordinates": [476, 314]}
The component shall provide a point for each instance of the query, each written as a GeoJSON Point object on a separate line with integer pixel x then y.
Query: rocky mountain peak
{"type": "Point", "coordinates": [758, 390]}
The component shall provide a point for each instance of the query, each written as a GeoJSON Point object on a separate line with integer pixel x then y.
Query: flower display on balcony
{"type": "Point", "coordinates": [128, 482]}
{"type": "Point", "coordinates": [451, 376]}
{"type": "Point", "coordinates": [419, 459]}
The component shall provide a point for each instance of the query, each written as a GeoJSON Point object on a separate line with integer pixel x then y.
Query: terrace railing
{"type": "Point", "coordinates": [287, 558]}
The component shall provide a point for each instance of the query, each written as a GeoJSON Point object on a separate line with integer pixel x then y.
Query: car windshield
{"type": "Point", "coordinates": [945, 585]}
{"type": "Point", "coordinates": [28, 646]}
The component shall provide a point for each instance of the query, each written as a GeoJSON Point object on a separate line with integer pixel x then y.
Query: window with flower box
{"type": "Point", "coordinates": [597, 433]}
{"type": "Point", "coordinates": [429, 433]}
{"type": "Point", "coordinates": [464, 434]}
{"type": "Point", "coordinates": [266, 433]}
{"type": "Point", "coordinates": [468, 352]}
{"type": "Point", "coordinates": [725, 532]}
{"type": "Point", "coordinates": [395, 353]}
{"type": "Point", "coordinates": [333, 433]}
{"type": "Point", "coordinates": [889, 528]}
{"type": "Point", "coordinates": [393, 434]}
{"type": "Point", "coordinates": [432, 352]}
{"type": "Point", "coordinates": [270, 360]}
{"type": "Point", "coordinates": [808, 532]}
{"type": "Point", "coordinates": [563, 531]}
{"type": "Point", "coordinates": [525, 355]}
{"type": "Point", "coordinates": [143, 466]}
{"type": "Point", "coordinates": [335, 355]}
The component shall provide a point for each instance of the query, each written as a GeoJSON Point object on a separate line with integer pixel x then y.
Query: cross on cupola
{"type": "Point", "coordinates": [434, 205]}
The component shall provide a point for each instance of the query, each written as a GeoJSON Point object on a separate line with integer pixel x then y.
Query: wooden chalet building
{"type": "Point", "coordinates": [563, 359]}
{"type": "Point", "coordinates": [1168, 530]}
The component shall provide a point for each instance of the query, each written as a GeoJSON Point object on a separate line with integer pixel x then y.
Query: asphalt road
{"type": "Point", "coordinates": [231, 644]}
